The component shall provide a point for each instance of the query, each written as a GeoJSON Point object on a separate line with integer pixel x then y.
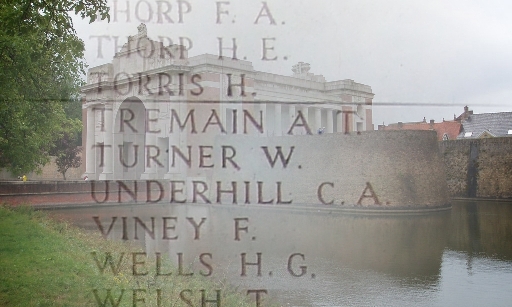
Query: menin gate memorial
{"type": "Point", "coordinates": [215, 130]}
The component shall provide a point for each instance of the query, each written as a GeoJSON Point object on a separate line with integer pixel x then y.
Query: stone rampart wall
{"type": "Point", "coordinates": [377, 169]}
{"type": "Point", "coordinates": [478, 167]}
{"type": "Point", "coordinates": [403, 168]}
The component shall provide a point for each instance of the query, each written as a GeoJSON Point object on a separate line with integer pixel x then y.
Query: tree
{"type": "Point", "coordinates": [66, 149]}
{"type": "Point", "coordinates": [41, 69]}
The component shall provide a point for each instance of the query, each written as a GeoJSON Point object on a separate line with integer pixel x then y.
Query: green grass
{"type": "Point", "coordinates": [48, 263]}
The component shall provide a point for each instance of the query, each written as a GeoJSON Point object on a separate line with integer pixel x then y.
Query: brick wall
{"type": "Point", "coordinates": [478, 167]}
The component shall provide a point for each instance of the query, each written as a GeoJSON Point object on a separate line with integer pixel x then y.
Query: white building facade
{"type": "Point", "coordinates": [153, 113]}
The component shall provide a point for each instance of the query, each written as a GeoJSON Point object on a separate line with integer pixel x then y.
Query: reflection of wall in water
{"type": "Point", "coordinates": [347, 253]}
{"type": "Point", "coordinates": [482, 228]}
{"type": "Point", "coordinates": [401, 246]}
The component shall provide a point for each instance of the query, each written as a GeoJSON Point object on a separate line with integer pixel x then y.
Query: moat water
{"type": "Point", "coordinates": [460, 257]}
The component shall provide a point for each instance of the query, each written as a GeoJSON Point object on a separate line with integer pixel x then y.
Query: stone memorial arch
{"type": "Point", "coordinates": [154, 112]}
{"type": "Point", "coordinates": [129, 139]}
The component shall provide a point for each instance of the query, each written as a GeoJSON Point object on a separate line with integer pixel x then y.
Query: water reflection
{"type": "Point", "coordinates": [483, 229]}
{"type": "Point", "coordinates": [309, 258]}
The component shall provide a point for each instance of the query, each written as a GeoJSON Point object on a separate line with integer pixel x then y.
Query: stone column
{"type": "Point", "coordinates": [291, 117]}
{"type": "Point", "coordinates": [318, 120]}
{"type": "Point", "coordinates": [150, 170]}
{"type": "Point", "coordinates": [179, 139]}
{"type": "Point", "coordinates": [330, 122]}
{"type": "Point", "coordinates": [305, 114]}
{"type": "Point", "coordinates": [169, 174]}
{"type": "Point", "coordinates": [277, 120]}
{"type": "Point", "coordinates": [90, 150]}
{"type": "Point", "coordinates": [340, 121]}
{"type": "Point", "coordinates": [153, 154]}
{"type": "Point", "coordinates": [107, 173]}
{"type": "Point", "coordinates": [263, 108]}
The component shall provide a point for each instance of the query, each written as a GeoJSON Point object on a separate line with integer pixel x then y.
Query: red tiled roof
{"type": "Point", "coordinates": [451, 128]}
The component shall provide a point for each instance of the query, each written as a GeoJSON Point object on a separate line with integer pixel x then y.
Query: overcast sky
{"type": "Point", "coordinates": [438, 55]}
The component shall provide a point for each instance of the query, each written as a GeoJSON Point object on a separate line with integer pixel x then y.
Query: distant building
{"type": "Point", "coordinates": [465, 126]}
{"type": "Point", "coordinates": [485, 125]}
{"type": "Point", "coordinates": [446, 130]}
{"type": "Point", "coordinates": [467, 112]}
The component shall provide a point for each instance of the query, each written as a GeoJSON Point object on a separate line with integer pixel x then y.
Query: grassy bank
{"type": "Point", "coordinates": [49, 263]}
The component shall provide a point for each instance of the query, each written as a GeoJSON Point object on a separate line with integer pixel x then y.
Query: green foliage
{"type": "Point", "coordinates": [66, 147]}
{"type": "Point", "coordinates": [41, 69]}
